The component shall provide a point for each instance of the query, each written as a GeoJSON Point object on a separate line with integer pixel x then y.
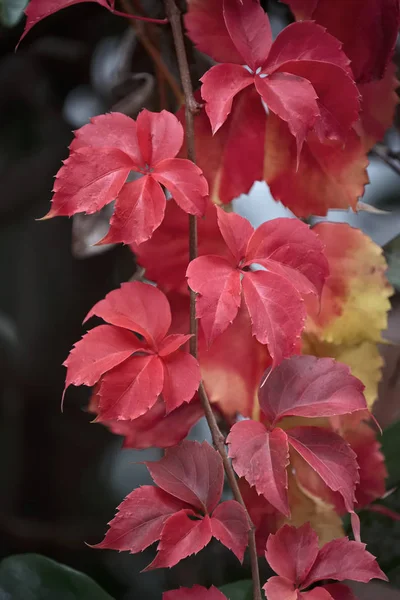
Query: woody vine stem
{"type": "Point", "coordinates": [191, 109]}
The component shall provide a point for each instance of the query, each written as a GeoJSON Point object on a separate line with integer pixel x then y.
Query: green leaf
{"type": "Point", "coordinates": [11, 11]}
{"type": "Point", "coordinates": [35, 577]}
{"type": "Point", "coordinates": [239, 590]}
{"type": "Point", "coordinates": [391, 449]}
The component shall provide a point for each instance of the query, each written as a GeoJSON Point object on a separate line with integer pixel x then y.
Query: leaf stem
{"type": "Point", "coordinates": [119, 13]}
{"type": "Point", "coordinates": [191, 109]}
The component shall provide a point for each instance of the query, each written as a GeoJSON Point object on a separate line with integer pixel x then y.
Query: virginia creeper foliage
{"type": "Point", "coordinates": [276, 305]}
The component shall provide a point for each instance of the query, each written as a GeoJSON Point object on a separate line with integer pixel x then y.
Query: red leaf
{"type": "Point", "coordinates": [309, 42]}
{"type": "Point", "coordinates": [249, 29]}
{"type": "Point", "coordinates": [39, 9]}
{"type": "Point", "coordinates": [339, 559]}
{"type": "Point", "coordinates": [137, 306]}
{"type": "Point", "coordinates": [180, 538]}
{"type": "Point", "coordinates": [220, 85]}
{"type": "Point", "coordinates": [155, 429]}
{"type": "Point", "coordinates": [206, 28]}
{"type": "Point", "coordinates": [306, 386]}
{"type": "Point", "coordinates": [261, 457]}
{"type": "Point", "coordinates": [279, 588]}
{"type": "Point", "coordinates": [140, 519]}
{"type": "Point", "coordinates": [342, 559]}
{"type": "Point", "coordinates": [286, 247]}
{"type": "Point", "coordinates": [192, 472]}
{"type": "Point", "coordinates": [160, 136]}
{"type": "Point", "coordinates": [230, 526]}
{"type": "Point", "coordinates": [375, 21]}
{"type": "Point", "coordinates": [185, 181]}
{"type": "Point", "coordinates": [138, 212]}
{"type": "Point", "coordinates": [219, 288]}
{"type": "Point", "coordinates": [100, 350]}
{"type": "Point", "coordinates": [171, 343]}
{"type": "Point", "coordinates": [117, 130]}
{"type": "Point", "coordinates": [181, 379]}
{"type": "Point", "coordinates": [89, 180]}
{"type": "Point", "coordinates": [131, 389]}
{"type": "Point", "coordinates": [277, 312]}
{"type": "Point", "coordinates": [292, 552]}
{"type": "Point", "coordinates": [331, 457]}
{"type": "Point", "coordinates": [103, 154]}
{"type": "Point", "coordinates": [197, 592]}
{"type": "Point", "coordinates": [328, 175]}
{"type": "Point", "coordinates": [294, 100]}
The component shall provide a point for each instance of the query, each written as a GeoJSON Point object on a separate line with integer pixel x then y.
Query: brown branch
{"type": "Point", "coordinates": [154, 54]}
{"type": "Point", "coordinates": [191, 108]}
{"type": "Point", "coordinates": [384, 153]}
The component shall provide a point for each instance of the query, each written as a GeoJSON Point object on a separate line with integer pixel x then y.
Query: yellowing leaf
{"type": "Point", "coordinates": [355, 299]}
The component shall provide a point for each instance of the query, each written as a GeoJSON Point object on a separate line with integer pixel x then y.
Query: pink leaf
{"type": "Point", "coordinates": [249, 28]}
{"type": "Point", "coordinates": [220, 85]}
{"type": "Point", "coordinates": [331, 457]}
{"type": "Point", "coordinates": [39, 9]}
{"type": "Point", "coordinates": [342, 559]}
{"type": "Point", "coordinates": [181, 379]}
{"type": "Point", "coordinates": [140, 519]}
{"type": "Point", "coordinates": [279, 588]}
{"type": "Point", "coordinates": [180, 538]}
{"type": "Point", "coordinates": [197, 592]}
{"type": "Point", "coordinates": [206, 28]}
{"type": "Point", "coordinates": [277, 312]}
{"type": "Point", "coordinates": [138, 212]}
{"type": "Point", "coordinates": [288, 247]}
{"type": "Point", "coordinates": [375, 21]}
{"type": "Point", "coordinates": [292, 552]}
{"type": "Point", "coordinates": [171, 343]}
{"type": "Point", "coordinates": [130, 389]}
{"type": "Point", "coordinates": [236, 232]}
{"type": "Point", "coordinates": [192, 472]}
{"type": "Point", "coordinates": [261, 457]}
{"type": "Point", "coordinates": [305, 41]}
{"type": "Point", "coordinates": [137, 306]}
{"type": "Point", "coordinates": [294, 100]}
{"type": "Point", "coordinates": [88, 180]}
{"type": "Point", "coordinates": [100, 350]}
{"type": "Point", "coordinates": [219, 288]}
{"type": "Point", "coordinates": [318, 593]}
{"type": "Point", "coordinates": [113, 130]}
{"type": "Point", "coordinates": [160, 136]}
{"type": "Point", "coordinates": [306, 386]}
{"type": "Point", "coordinates": [185, 181]}
{"type": "Point", "coordinates": [230, 526]}
{"type": "Point", "coordinates": [264, 516]}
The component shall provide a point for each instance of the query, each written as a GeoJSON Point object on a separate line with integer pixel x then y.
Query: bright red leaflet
{"type": "Point", "coordinates": [297, 76]}
{"type": "Point", "coordinates": [294, 266]}
{"type": "Point", "coordinates": [197, 592]}
{"type": "Point", "coordinates": [367, 29]}
{"type": "Point", "coordinates": [103, 154]}
{"type": "Point", "coordinates": [302, 386]}
{"type": "Point", "coordinates": [294, 555]}
{"type": "Point", "coordinates": [182, 512]}
{"type": "Point", "coordinates": [132, 373]}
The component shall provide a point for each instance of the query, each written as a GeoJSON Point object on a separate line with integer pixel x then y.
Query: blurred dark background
{"type": "Point", "coordinates": [61, 476]}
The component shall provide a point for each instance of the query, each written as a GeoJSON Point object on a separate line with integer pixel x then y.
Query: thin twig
{"type": "Point", "coordinates": [139, 18]}
{"type": "Point", "coordinates": [154, 54]}
{"type": "Point", "coordinates": [385, 155]}
{"type": "Point", "coordinates": [191, 108]}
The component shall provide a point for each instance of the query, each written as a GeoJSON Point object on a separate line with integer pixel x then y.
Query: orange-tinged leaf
{"type": "Point", "coordinates": [355, 299]}
{"type": "Point", "coordinates": [328, 175]}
